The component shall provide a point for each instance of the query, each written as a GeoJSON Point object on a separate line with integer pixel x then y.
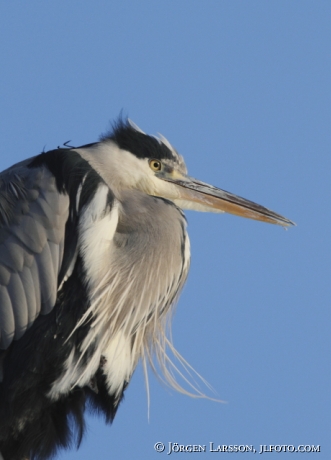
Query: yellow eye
{"type": "Point", "coordinates": [155, 165]}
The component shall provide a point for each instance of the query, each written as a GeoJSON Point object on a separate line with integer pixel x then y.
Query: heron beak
{"type": "Point", "coordinates": [200, 196]}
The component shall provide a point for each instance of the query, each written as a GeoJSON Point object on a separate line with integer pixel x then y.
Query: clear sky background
{"type": "Point", "coordinates": [242, 90]}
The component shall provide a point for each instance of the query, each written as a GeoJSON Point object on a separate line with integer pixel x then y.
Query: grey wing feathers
{"type": "Point", "coordinates": [33, 215]}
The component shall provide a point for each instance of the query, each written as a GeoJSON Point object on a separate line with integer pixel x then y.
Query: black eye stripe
{"type": "Point", "coordinates": [139, 144]}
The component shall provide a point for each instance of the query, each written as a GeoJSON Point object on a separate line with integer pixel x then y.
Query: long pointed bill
{"type": "Point", "coordinates": [210, 198]}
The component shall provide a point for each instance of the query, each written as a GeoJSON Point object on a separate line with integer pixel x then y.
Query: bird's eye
{"type": "Point", "coordinates": [155, 165]}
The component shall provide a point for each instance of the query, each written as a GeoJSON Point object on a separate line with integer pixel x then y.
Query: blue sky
{"type": "Point", "coordinates": [242, 90]}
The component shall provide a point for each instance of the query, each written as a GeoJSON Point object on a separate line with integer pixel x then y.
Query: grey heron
{"type": "Point", "coordinates": [93, 255]}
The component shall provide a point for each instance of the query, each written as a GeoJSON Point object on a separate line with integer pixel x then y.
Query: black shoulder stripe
{"type": "Point", "coordinates": [66, 165]}
{"type": "Point", "coordinates": [70, 171]}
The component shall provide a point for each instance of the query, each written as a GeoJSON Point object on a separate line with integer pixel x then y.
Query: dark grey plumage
{"type": "Point", "coordinates": [33, 216]}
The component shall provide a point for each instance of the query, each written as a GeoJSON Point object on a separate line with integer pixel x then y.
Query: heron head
{"type": "Point", "coordinates": [153, 166]}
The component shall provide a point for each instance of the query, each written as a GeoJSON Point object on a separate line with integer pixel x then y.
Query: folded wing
{"type": "Point", "coordinates": [33, 216]}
